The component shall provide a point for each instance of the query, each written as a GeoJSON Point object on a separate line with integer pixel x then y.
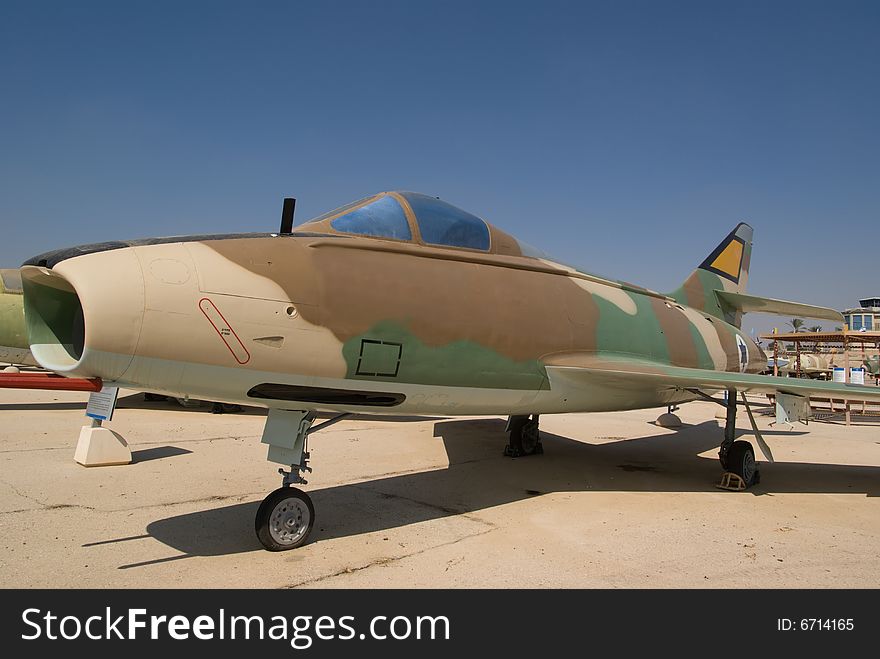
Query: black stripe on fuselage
{"type": "Point", "coordinates": [325, 396]}
{"type": "Point", "coordinates": [53, 258]}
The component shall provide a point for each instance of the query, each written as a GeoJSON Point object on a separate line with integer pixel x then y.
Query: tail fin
{"type": "Point", "coordinates": [725, 269]}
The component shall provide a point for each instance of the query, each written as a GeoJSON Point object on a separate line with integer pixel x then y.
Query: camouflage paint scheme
{"type": "Point", "coordinates": [14, 348]}
{"type": "Point", "coordinates": [440, 329]}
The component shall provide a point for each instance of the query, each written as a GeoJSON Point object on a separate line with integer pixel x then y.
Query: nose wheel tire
{"type": "Point", "coordinates": [284, 519]}
{"type": "Point", "coordinates": [740, 460]}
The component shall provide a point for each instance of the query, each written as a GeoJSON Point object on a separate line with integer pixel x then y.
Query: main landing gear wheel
{"type": "Point", "coordinates": [740, 460]}
{"type": "Point", "coordinates": [285, 519]}
{"type": "Point", "coordinates": [738, 457]}
{"type": "Point", "coordinates": [525, 439]}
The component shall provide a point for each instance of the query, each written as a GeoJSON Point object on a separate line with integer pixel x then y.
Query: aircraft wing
{"type": "Point", "coordinates": [626, 373]}
{"type": "Point", "coordinates": [752, 303]}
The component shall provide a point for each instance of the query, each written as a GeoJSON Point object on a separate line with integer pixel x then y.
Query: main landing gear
{"type": "Point", "coordinates": [286, 517]}
{"type": "Point", "coordinates": [524, 436]}
{"type": "Point", "coordinates": [737, 457]}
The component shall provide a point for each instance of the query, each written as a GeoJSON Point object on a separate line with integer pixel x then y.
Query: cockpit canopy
{"type": "Point", "coordinates": [418, 218]}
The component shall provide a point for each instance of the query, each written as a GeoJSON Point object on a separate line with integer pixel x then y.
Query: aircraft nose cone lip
{"type": "Point", "coordinates": [56, 256]}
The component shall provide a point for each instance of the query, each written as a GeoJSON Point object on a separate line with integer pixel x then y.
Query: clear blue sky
{"type": "Point", "coordinates": [625, 137]}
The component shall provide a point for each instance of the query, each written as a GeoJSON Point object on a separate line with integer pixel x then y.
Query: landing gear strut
{"type": "Point", "coordinates": [286, 517]}
{"type": "Point", "coordinates": [524, 436]}
{"type": "Point", "coordinates": [737, 457]}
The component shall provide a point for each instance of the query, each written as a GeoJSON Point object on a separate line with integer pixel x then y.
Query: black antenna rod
{"type": "Point", "coordinates": [287, 215]}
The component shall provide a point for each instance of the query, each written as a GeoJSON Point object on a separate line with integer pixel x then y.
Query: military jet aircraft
{"type": "Point", "coordinates": [13, 335]}
{"type": "Point", "coordinates": [399, 303]}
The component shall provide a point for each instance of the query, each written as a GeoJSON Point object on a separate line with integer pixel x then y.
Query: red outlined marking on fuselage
{"type": "Point", "coordinates": [224, 331]}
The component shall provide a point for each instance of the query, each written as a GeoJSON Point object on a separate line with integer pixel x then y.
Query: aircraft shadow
{"type": "Point", "coordinates": [478, 478]}
{"type": "Point", "coordinates": [157, 453]}
{"type": "Point", "coordinates": [137, 402]}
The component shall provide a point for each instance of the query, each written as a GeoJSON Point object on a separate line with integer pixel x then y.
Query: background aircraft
{"type": "Point", "coordinates": [399, 304]}
{"type": "Point", "coordinates": [14, 348]}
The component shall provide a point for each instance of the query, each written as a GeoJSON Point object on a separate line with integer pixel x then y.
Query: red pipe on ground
{"type": "Point", "coordinates": [49, 381]}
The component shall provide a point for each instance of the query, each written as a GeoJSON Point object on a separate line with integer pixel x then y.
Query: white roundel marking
{"type": "Point", "coordinates": [743, 350]}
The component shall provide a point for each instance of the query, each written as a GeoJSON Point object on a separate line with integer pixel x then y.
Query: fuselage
{"type": "Point", "coordinates": [325, 321]}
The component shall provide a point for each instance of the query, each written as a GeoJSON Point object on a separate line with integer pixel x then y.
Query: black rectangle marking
{"type": "Point", "coordinates": [379, 358]}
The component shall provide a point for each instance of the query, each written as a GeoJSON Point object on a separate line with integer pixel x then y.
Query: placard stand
{"type": "Point", "coordinates": [99, 446]}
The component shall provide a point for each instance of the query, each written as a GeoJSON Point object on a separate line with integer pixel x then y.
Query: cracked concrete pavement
{"type": "Point", "coordinates": [615, 501]}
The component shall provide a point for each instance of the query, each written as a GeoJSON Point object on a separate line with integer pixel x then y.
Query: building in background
{"type": "Point", "coordinates": [865, 317]}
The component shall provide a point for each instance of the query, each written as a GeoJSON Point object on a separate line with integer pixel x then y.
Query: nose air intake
{"type": "Point", "coordinates": [54, 319]}
{"type": "Point", "coordinates": [84, 314]}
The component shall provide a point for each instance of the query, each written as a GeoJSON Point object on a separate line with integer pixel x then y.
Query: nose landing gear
{"type": "Point", "coordinates": [286, 517]}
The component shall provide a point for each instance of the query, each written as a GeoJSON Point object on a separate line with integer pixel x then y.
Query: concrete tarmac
{"type": "Point", "coordinates": [615, 501]}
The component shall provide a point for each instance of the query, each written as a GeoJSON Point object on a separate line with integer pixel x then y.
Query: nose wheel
{"type": "Point", "coordinates": [285, 519]}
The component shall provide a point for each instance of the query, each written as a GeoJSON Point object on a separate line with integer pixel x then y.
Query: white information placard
{"type": "Point", "coordinates": [102, 403]}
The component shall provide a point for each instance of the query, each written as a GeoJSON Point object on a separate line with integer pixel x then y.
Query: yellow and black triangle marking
{"type": "Point", "coordinates": [727, 259]}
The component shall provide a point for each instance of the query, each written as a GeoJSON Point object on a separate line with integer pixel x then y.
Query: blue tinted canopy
{"type": "Point", "coordinates": [389, 215]}
{"type": "Point", "coordinates": [441, 223]}
{"type": "Point", "coordinates": [382, 218]}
